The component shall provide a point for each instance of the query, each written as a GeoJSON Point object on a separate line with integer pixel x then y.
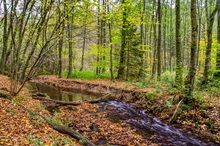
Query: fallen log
{"type": "Point", "coordinates": [101, 99]}
{"type": "Point", "coordinates": [6, 96]}
{"type": "Point", "coordinates": [59, 128]}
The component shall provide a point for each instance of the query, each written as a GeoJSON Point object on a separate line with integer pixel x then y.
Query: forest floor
{"type": "Point", "coordinates": [17, 127]}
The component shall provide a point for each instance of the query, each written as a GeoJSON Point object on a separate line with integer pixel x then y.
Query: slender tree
{"type": "Point", "coordinates": [193, 51]}
{"type": "Point", "coordinates": [218, 38]}
{"type": "Point", "coordinates": [142, 36]}
{"type": "Point", "coordinates": [210, 22]}
{"type": "Point", "coordinates": [98, 38]}
{"type": "Point", "coordinates": [178, 46]}
{"type": "Point", "coordinates": [110, 40]}
{"type": "Point", "coordinates": [165, 3]}
{"type": "Point", "coordinates": [159, 42]}
{"type": "Point", "coordinates": [84, 39]}
{"type": "Point", "coordinates": [70, 41]}
{"type": "Point", "coordinates": [5, 38]}
{"type": "Point", "coordinates": [171, 34]}
{"type": "Point", "coordinates": [60, 44]}
{"type": "Point", "coordinates": [121, 70]}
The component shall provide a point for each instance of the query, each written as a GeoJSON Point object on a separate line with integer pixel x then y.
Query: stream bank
{"type": "Point", "coordinates": [136, 97]}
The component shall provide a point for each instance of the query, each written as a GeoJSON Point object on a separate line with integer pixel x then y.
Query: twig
{"type": "Point", "coordinates": [171, 119]}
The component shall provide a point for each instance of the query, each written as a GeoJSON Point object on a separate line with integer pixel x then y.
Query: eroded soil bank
{"type": "Point", "coordinates": [196, 119]}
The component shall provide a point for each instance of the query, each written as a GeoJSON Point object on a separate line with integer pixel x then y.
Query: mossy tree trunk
{"type": "Point", "coordinates": [70, 41]}
{"type": "Point", "coordinates": [193, 51]}
{"type": "Point", "coordinates": [218, 39]}
{"type": "Point", "coordinates": [210, 22]}
{"type": "Point", "coordinates": [179, 64]}
{"type": "Point", "coordinates": [5, 38]}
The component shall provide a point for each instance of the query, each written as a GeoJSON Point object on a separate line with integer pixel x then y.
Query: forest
{"type": "Point", "coordinates": [94, 69]}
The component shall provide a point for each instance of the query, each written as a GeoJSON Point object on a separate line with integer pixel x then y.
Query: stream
{"type": "Point", "coordinates": [149, 127]}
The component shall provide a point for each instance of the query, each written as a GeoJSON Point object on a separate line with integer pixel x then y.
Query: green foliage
{"type": "Point", "coordinates": [36, 121]}
{"type": "Point", "coordinates": [57, 141]}
{"type": "Point", "coordinates": [169, 104]}
{"type": "Point", "coordinates": [34, 140]}
{"type": "Point", "coordinates": [185, 106]}
{"type": "Point", "coordinates": [150, 96]}
{"type": "Point", "coordinates": [213, 86]}
{"type": "Point", "coordinates": [44, 72]}
{"type": "Point", "coordinates": [42, 94]}
{"type": "Point", "coordinates": [88, 75]}
{"type": "Point", "coordinates": [168, 78]}
{"type": "Point", "coordinates": [81, 141]}
{"type": "Point", "coordinates": [55, 121]}
{"type": "Point", "coordinates": [211, 125]}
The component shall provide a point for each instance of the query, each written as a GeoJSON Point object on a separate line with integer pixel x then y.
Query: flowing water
{"type": "Point", "coordinates": [149, 127]}
{"type": "Point", "coordinates": [152, 128]}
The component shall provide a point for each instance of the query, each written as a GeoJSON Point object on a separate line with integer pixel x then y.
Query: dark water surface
{"type": "Point", "coordinates": [149, 127]}
{"type": "Point", "coordinates": [58, 94]}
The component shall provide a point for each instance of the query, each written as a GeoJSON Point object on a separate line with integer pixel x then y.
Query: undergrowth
{"type": "Point", "coordinates": [87, 75]}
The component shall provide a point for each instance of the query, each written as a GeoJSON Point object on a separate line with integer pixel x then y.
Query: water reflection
{"type": "Point", "coordinates": [58, 94]}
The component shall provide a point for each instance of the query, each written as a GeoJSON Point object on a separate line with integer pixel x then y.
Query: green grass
{"type": "Point", "coordinates": [87, 75]}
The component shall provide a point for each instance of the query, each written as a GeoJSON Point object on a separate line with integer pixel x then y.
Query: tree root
{"type": "Point", "coordinates": [59, 128]}
{"type": "Point", "coordinates": [101, 99]}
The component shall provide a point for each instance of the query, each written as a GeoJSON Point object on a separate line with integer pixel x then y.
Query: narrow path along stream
{"type": "Point", "coordinates": [149, 127]}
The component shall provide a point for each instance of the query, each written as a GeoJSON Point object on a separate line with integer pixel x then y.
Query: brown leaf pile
{"type": "Point", "coordinates": [17, 127]}
{"type": "Point", "coordinates": [85, 116]}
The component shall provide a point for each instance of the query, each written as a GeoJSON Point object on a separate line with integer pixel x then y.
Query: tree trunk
{"type": "Point", "coordinates": [165, 36]}
{"type": "Point", "coordinates": [142, 38]}
{"type": "Point", "coordinates": [179, 64]}
{"type": "Point", "coordinates": [98, 40]}
{"type": "Point", "coordinates": [60, 46]}
{"type": "Point", "coordinates": [159, 42]}
{"type": "Point", "coordinates": [110, 42]}
{"type": "Point", "coordinates": [154, 65]}
{"type": "Point", "coordinates": [210, 22]}
{"type": "Point", "coordinates": [171, 35]}
{"type": "Point", "coordinates": [5, 38]}
{"type": "Point", "coordinates": [218, 39]}
{"type": "Point", "coordinates": [83, 49]}
{"type": "Point", "coordinates": [192, 69]}
{"type": "Point", "coordinates": [121, 69]}
{"type": "Point", "coordinates": [70, 39]}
